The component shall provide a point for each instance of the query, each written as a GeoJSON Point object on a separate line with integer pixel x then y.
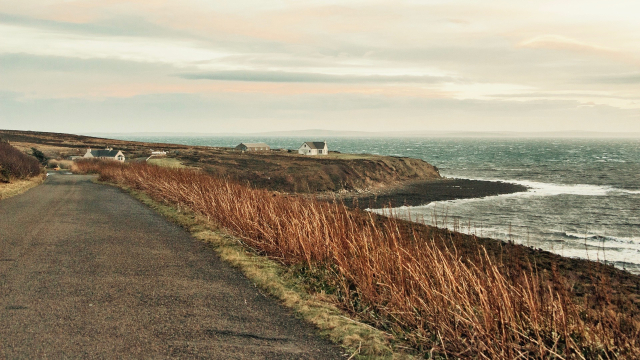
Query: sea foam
{"type": "Point", "coordinates": [551, 189]}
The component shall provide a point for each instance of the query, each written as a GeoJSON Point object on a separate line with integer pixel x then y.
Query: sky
{"type": "Point", "coordinates": [83, 66]}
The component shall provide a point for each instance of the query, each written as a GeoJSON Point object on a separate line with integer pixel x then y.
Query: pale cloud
{"type": "Point", "coordinates": [483, 90]}
{"type": "Point", "coordinates": [280, 76]}
{"type": "Point", "coordinates": [563, 43]}
{"type": "Point", "coordinates": [496, 58]}
{"type": "Point", "coordinates": [619, 79]}
{"type": "Point", "coordinates": [222, 112]}
{"type": "Point", "coordinates": [18, 39]}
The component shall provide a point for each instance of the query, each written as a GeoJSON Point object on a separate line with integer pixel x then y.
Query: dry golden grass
{"type": "Point", "coordinates": [19, 186]}
{"type": "Point", "coordinates": [419, 289]}
{"type": "Point", "coordinates": [62, 164]}
{"type": "Point", "coordinates": [51, 151]}
{"type": "Point", "coordinates": [166, 162]}
{"type": "Point", "coordinates": [319, 309]}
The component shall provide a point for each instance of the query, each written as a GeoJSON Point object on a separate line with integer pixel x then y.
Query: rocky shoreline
{"type": "Point", "coordinates": [422, 192]}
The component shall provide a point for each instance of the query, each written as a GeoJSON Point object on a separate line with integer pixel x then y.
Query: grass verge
{"type": "Point", "coordinates": [17, 187]}
{"type": "Point", "coordinates": [361, 340]}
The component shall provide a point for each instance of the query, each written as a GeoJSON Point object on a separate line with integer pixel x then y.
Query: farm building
{"type": "Point", "coordinates": [106, 154]}
{"type": "Point", "coordinates": [314, 148]}
{"type": "Point", "coordinates": [253, 147]}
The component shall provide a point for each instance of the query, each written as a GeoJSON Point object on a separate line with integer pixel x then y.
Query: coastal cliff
{"type": "Point", "coordinates": [286, 172]}
{"type": "Point", "coordinates": [372, 181]}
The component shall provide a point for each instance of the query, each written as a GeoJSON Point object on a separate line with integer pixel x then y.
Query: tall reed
{"type": "Point", "coordinates": [420, 289]}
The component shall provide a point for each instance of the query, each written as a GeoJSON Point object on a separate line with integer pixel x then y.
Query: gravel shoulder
{"type": "Point", "coordinates": [86, 271]}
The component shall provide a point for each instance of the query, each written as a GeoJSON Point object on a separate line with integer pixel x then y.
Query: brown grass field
{"type": "Point", "coordinates": [444, 293]}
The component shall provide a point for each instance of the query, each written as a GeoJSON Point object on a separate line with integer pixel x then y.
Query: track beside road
{"type": "Point", "coordinates": [86, 271]}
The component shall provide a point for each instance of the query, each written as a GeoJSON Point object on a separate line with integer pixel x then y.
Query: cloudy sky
{"type": "Point", "coordinates": [255, 65]}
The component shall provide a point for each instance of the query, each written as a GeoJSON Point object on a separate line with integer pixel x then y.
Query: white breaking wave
{"type": "Point", "coordinates": [534, 189]}
{"type": "Point", "coordinates": [552, 189]}
{"type": "Point", "coordinates": [598, 238]}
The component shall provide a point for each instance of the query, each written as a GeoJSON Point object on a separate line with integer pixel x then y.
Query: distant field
{"type": "Point", "coordinates": [333, 155]}
{"type": "Point", "coordinates": [166, 162]}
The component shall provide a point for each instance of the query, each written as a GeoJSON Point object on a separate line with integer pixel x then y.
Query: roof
{"type": "Point", "coordinates": [316, 144]}
{"type": "Point", "coordinates": [104, 153]}
{"type": "Point", "coordinates": [251, 145]}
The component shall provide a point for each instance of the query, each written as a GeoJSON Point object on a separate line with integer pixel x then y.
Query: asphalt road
{"type": "Point", "coordinates": [86, 271]}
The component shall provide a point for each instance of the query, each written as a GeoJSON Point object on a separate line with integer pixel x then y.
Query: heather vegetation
{"type": "Point", "coordinates": [42, 158]}
{"type": "Point", "coordinates": [420, 286]}
{"type": "Point", "coordinates": [62, 164]}
{"type": "Point", "coordinates": [16, 165]}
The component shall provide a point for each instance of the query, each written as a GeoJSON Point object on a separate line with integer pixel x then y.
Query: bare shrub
{"type": "Point", "coordinates": [65, 164]}
{"type": "Point", "coordinates": [62, 164]}
{"type": "Point", "coordinates": [42, 158]}
{"type": "Point", "coordinates": [420, 289]}
{"type": "Point", "coordinates": [15, 164]}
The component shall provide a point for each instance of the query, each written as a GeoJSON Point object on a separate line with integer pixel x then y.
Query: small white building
{"type": "Point", "coordinates": [253, 147]}
{"type": "Point", "coordinates": [314, 148]}
{"type": "Point", "coordinates": [106, 154]}
{"type": "Point", "coordinates": [158, 153]}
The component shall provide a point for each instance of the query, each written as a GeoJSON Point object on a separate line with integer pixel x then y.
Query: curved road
{"type": "Point", "coordinates": [86, 271]}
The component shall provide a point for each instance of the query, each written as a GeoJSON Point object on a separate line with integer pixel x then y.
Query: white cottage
{"type": "Point", "coordinates": [106, 154]}
{"type": "Point", "coordinates": [314, 148]}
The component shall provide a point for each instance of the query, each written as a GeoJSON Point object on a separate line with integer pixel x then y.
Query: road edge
{"type": "Point", "coordinates": [20, 186]}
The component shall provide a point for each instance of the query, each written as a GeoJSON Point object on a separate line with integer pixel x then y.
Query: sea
{"type": "Point", "coordinates": [583, 199]}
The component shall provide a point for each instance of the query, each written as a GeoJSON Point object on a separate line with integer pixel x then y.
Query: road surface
{"type": "Point", "coordinates": [86, 271]}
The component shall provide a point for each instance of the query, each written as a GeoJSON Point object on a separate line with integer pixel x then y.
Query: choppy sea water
{"type": "Point", "coordinates": [584, 197]}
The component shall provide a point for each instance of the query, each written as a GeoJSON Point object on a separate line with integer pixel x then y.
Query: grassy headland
{"type": "Point", "coordinates": [442, 292]}
{"type": "Point", "coordinates": [370, 179]}
{"type": "Point", "coordinates": [277, 170]}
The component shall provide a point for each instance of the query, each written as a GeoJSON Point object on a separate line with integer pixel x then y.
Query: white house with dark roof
{"type": "Point", "coordinates": [106, 154]}
{"type": "Point", "coordinates": [314, 148]}
{"type": "Point", "coordinates": [253, 147]}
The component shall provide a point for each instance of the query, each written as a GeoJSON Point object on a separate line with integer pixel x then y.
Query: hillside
{"type": "Point", "coordinates": [275, 170]}
{"type": "Point", "coordinates": [290, 172]}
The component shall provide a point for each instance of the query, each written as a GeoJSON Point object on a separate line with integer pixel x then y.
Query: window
{"type": "Point", "coordinates": [319, 151]}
